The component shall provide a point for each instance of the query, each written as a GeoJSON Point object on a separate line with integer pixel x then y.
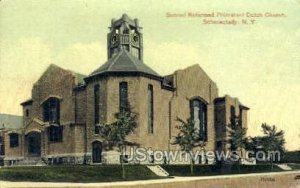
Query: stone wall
{"type": "Point", "coordinates": [77, 114]}
{"type": "Point", "coordinates": [190, 83]}
{"type": "Point", "coordinates": [13, 153]}
{"type": "Point", "coordinates": [80, 105]}
{"type": "Point", "coordinates": [226, 107]}
{"type": "Point", "coordinates": [168, 106]}
{"type": "Point", "coordinates": [137, 95]}
{"type": "Point", "coordinates": [59, 83]}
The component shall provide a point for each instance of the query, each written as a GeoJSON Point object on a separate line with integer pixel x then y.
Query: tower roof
{"type": "Point", "coordinates": [124, 62]}
{"type": "Point", "coordinates": [124, 18]}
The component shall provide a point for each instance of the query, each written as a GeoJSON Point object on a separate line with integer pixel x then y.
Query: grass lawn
{"type": "Point", "coordinates": [101, 173]}
{"type": "Point", "coordinates": [209, 170]}
{"type": "Point", "coordinates": [110, 173]}
{"type": "Point", "coordinates": [294, 166]}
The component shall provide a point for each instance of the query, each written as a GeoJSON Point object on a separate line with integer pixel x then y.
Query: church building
{"type": "Point", "coordinates": [61, 119]}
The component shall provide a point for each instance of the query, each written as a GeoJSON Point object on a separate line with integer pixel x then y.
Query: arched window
{"type": "Point", "coordinates": [51, 109]}
{"type": "Point", "coordinates": [199, 115]}
{"type": "Point", "coordinates": [123, 94]}
{"type": "Point", "coordinates": [150, 108]}
{"type": "Point", "coordinates": [97, 152]}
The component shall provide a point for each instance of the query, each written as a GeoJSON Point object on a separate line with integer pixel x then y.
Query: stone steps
{"type": "Point", "coordinates": [31, 161]}
{"type": "Point", "coordinates": [158, 170]}
{"type": "Point", "coordinates": [284, 167]}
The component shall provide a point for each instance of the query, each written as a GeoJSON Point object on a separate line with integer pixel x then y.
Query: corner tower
{"type": "Point", "coordinates": [125, 34]}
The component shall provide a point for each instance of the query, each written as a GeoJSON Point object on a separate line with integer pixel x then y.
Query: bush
{"type": "Point", "coordinates": [291, 157]}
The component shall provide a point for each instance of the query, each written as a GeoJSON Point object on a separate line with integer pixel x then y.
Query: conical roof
{"type": "Point", "coordinates": [124, 62]}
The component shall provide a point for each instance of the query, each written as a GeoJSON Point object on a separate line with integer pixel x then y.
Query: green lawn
{"type": "Point", "coordinates": [110, 173]}
{"type": "Point", "coordinates": [294, 166]}
{"type": "Point", "coordinates": [209, 170]}
{"type": "Point", "coordinates": [101, 173]}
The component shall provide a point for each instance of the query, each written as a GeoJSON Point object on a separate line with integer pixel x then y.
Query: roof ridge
{"type": "Point", "coordinates": [10, 114]}
{"type": "Point", "coordinates": [130, 56]}
{"type": "Point", "coordinates": [114, 60]}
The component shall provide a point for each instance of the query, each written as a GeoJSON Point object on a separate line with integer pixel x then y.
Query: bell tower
{"type": "Point", "coordinates": [125, 34]}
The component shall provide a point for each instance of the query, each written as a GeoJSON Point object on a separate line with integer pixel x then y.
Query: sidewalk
{"type": "Point", "coordinates": [261, 180]}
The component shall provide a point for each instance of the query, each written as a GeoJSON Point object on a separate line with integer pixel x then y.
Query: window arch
{"type": "Point", "coordinates": [199, 116]}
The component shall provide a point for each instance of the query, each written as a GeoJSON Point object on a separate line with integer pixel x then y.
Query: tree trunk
{"type": "Point", "coordinates": [192, 164]}
{"type": "Point", "coordinates": [123, 168]}
{"type": "Point", "coordinates": [122, 162]}
{"type": "Point", "coordinates": [240, 160]}
{"type": "Point", "coordinates": [271, 160]}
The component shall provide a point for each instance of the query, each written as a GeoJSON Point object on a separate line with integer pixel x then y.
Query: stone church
{"type": "Point", "coordinates": [61, 119]}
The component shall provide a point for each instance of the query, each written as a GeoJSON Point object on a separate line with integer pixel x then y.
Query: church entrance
{"type": "Point", "coordinates": [34, 144]}
{"type": "Point", "coordinates": [97, 152]}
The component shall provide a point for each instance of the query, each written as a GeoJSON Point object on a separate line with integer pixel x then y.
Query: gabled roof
{"type": "Point", "coordinates": [124, 62]}
{"type": "Point", "coordinates": [78, 77]}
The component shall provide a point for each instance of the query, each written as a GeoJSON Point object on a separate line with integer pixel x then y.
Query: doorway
{"type": "Point", "coordinates": [34, 144]}
{"type": "Point", "coordinates": [97, 152]}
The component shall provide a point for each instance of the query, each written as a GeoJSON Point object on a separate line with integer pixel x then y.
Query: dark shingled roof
{"type": "Point", "coordinates": [124, 62]}
{"type": "Point", "coordinates": [27, 102]}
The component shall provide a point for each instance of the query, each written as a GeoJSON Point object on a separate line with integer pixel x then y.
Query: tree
{"type": "Point", "coordinates": [237, 134]}
{"type": "Point", "coordinates": [253, 143]}
{"type": "Point", "coordinates": [115, 134]}
{"type": "Point", "coordinates": [273, 140]}
{"type": "Point", "coordinates": [188, 138]}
